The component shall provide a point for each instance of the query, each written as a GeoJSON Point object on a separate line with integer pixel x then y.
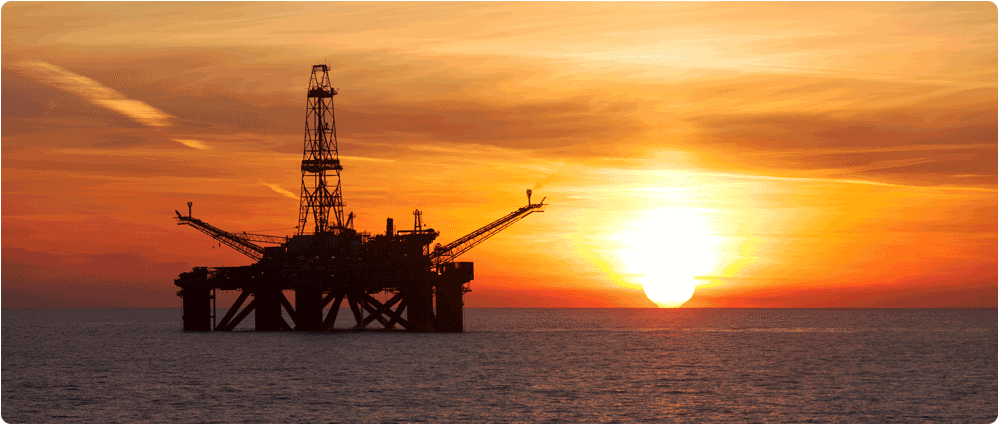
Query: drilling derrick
{"type": "Point", "coordinates": [333, 264]}
{"type": "Point", "coordinates": [319, 156]}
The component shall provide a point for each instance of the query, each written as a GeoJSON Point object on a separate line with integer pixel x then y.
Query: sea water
{"type": "Point", "coordinates": [511, 365]}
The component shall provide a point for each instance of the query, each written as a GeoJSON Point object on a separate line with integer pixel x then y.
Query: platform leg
{"type": "Point", "coordinates": [308, 309]}
{"type": "Point", "coordinates": [419, 309]}
{"type": "Point", "coordinates": [197, 308]}
{"type": "Point", "coordinates": [267, 316]}
{"type": "Point", "coordinates": [449, 306]}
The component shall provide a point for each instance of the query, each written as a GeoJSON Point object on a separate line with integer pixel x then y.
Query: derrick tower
{"type": "Point", "coordinates": [319, 156]}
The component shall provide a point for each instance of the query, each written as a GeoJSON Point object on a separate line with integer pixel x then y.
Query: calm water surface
{"type": "Point", "coordinates": [511, 365]}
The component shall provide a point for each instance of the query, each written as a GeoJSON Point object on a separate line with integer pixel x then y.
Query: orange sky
{"type": "Point", "coordinates": [786, 154]}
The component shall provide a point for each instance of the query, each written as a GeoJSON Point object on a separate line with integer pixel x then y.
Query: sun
{"type": "Point", "coordinates": [665, 249]}
{"type": "Point", "coordinates": [668, 291]}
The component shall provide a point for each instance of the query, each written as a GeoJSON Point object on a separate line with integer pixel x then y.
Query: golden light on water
{"type": "Point", "coordinates": [666, 249]}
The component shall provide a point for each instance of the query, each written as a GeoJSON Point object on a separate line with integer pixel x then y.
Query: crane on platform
{"type": "Point", "coordinates": [242, 242]}
{"type": "Point", "coordinates": [447, 253]}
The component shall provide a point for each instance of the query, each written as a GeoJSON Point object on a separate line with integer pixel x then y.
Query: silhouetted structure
{"type": "Point", "coordinates": [335, 264]}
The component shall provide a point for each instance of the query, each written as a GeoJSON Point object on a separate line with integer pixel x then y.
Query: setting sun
{"type": "Point", "coordinates": [665, 249]}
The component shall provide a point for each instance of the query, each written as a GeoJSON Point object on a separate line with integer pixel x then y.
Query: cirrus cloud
{"type": "Point", "coordinates": [95, 93]}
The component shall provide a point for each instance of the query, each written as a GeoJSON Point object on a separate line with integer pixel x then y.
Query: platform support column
{"type": "Point", "coordinates": [419, 309]}
{"type": "Point", "coordinates": [308, 309]}
{"type": "Point", "coordinates": [267, 316]}
{"type": "Point", "coordinates": [197, 308]}
{"type": "Point", "coordinates": [449, 306]}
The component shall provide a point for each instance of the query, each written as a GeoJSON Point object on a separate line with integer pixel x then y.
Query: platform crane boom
{"type": "Point", "coordinates": [447, 253]}
{"type": "Point", "coordinates": [254, 237]}
{"type": "Point", "coordinates": [244, 243]}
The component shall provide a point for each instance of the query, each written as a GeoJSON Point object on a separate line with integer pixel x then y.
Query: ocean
{"type": "Point", "coordinates": [510, 366]}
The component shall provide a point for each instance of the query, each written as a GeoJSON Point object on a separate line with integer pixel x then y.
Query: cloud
{"type": "Point", "coordinates": [549, 179]}
{"type": "Point", "coordinates": [281, 191]}
{"type": "Point", "coordinates": [363, 158]}
{"type": "Point", "coordinates": [948, 145]}
{"type": "Point", "coordinates": [95, 93]}
{"type": "Point", "coordinates": [120, 141]}
{"type": "Point", "coordinates": [193, 144]}
{"type": "Point", "coordinates": [572, 121]}
{"type": "Point", "coordinates": [388, 97]}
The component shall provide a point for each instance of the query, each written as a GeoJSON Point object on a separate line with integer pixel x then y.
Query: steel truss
{"type": "Point", "coordinates": [366, 309]}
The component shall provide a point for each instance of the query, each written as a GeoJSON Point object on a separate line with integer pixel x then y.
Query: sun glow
{"type": "Point", "coordinates": [665, 250]}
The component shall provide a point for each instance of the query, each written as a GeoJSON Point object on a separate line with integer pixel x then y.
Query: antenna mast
{"type": "Point", "coordinates": [319, 155]}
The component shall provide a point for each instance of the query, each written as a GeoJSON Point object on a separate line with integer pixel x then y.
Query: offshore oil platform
{"type": "Point", "coordinates": [334, 263]}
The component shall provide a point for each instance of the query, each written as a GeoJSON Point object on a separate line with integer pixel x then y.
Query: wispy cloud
{"type": "Point", "coordinates": [364, 158]}
{"type": "Point", "coordinates": [194, 144]}
{"type": "Point", "coordinates": [95, 93]}
{"type": "Point", "coordinates": [279, 190]}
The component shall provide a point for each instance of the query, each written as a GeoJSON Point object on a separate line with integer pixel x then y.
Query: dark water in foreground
{"type": "Point", "coordinates": [512, 365]}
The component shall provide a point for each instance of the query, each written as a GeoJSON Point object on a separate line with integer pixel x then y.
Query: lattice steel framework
{"type": "Point", "coordinates": [319, 156]}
